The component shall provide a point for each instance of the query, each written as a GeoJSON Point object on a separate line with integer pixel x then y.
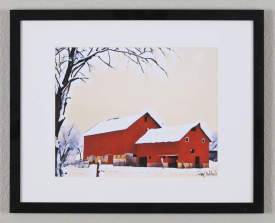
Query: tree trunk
{"type": "Point", "coordinates": [60, 105]}
{"type": "Point", "coordinates": [61, 172]}
{"type": "Point", "coordinates": [80, 157]}
{"type": "Point", "coordinates": [55, 166]}
{"type": "Point", "coordinates": [58, 124]}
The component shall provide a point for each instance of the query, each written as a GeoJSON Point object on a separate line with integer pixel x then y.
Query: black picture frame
{"type": "Point", "coordinates": [257, 206]}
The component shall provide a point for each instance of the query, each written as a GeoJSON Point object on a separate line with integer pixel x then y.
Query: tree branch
{"type": "Point", "coordinates": [89, 57]}
{"type": "Point", "coordinates": [108, 64]}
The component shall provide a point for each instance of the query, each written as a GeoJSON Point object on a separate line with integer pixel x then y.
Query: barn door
{"type": "Point", "coordinates": [172, 161]}
{"type": "Point", "coordinates": [143, 161]}
{"type": "Point", "coordinates": [197, 162]}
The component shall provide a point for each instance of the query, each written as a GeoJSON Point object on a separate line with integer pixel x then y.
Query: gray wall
{"type": "Point", "coordinates": [267, 5]}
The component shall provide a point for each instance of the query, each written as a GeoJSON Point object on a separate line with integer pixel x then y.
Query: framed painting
{"type": "Point", "coordinates": [137, 111]}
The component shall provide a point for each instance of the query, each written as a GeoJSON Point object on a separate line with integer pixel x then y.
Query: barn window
{"type": "Point", "coordinates": [192, 151]}
{"type": "Point", "coordinates": [149, 157]}
{"type": "Point", "coordinates": [203, 140]}
{"type": "Point", "coordinates": [193, 129]}
{"type": "Point", "coordinates": [187, 139]}
{"type": "Point", "coordinates": [146, 118]}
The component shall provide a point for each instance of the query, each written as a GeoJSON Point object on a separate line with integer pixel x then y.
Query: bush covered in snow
{"type": "Point", "coordinates": [70, 146]}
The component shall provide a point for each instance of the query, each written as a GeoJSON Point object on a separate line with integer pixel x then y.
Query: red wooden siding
{"type": "Point", "coordinates": [118, 142]}
{"type": "Point", "coordinates": [195, 142]}
{"type": "Point", "coordinates": [154, 151]}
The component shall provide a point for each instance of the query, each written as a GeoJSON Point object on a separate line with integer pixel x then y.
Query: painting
{"type": "Point", "coordinates": [110, 115]}
{"type": "Point", "coordinates": [136, 112]}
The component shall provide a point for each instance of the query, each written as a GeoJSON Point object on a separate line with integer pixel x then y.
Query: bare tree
{"type": "Point", "coordinates": [69, 140]}
{"type": "Point", "coordinates": [214, 143]}
{"type": "Point", "coordinates": [70, 63]}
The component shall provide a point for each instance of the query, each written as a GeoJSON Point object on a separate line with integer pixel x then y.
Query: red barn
{"type": "Point", "coordinates": [184, 146]}
{"type": "Point", "coordinates": [113, 141]}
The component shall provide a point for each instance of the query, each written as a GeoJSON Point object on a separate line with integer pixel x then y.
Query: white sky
{"type": "Point", "coordinates": [187, 94]}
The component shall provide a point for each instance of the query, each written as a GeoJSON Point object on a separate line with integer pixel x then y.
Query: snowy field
{"type": "Point", "coordinates": [127, 171]}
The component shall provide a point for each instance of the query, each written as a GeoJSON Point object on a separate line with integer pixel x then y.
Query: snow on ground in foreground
{"type": "Point", "coordinates": [127, 171]}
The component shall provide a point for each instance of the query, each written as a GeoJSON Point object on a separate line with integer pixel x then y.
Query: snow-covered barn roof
{"type": "Point", "coordinates": [117, 124]}
{"type": "Point", "coordinates": [170, 134]}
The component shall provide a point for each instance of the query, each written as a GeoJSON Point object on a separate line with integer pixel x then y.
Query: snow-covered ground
{"type": "Point", "coordinates": [127, 171]}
